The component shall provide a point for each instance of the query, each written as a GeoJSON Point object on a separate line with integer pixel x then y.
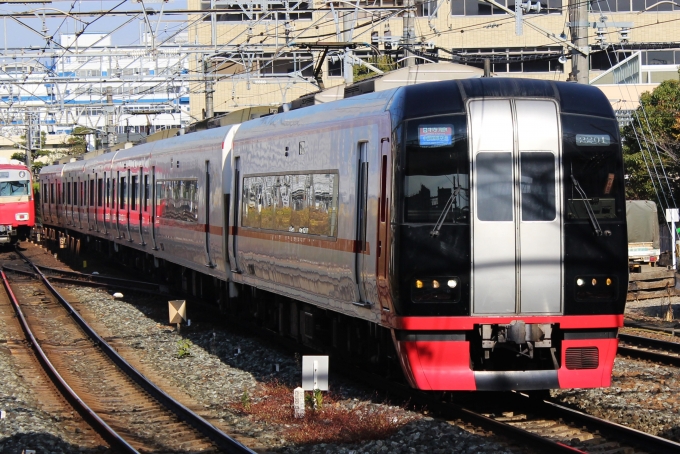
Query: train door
{"type": "Point", "coordinates": [516, 229]}
{"type": "Point", "coordinates": [154, 204]}
{"type": "Point", "coordinates": [206, 201]}
{"type": "Point", "coordinates": [362, 213]}
{"type": "Point", "coordinates": [383, 247]}
{"type": "Point", "coordinates": [106, 201]}
{"type": "Point", "coordinates": [127, 201]}
{"type": "Point", "coordinates": [80, 203]}
{"type": "Point", "coordinates": [140, 204]}
{"type": "Point", "coordinates": [116, 200]}
{"type": "Point", "coordinates": [236, 206]}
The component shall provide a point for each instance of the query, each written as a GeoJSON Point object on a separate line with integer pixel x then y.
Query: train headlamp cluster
{"type": "Point", "coordinates": [596, 288]}
{"type": "Point", "coordinates": [435, 290]}
{"type": "Point", "coordinates": [21, 216]}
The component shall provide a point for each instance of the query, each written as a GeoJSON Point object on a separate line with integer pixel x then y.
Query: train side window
{"type": "Point", "coordinates": [300, 203]}
{"type": "Point", "coordinates": [91, 189]}
{"type": "Point", "coordinates": [68, 193]}
{"type": "Point", "coordinates": [147, 192]}
{"type": "Point", "coordinates": [51, 192]}
{"type": "Point", "coordinates": [133, 190]}
{"type": "Point", "coordinates": [82, 193]}
{"type": "Point", "coordinates": [122, 189]}
{"type": "Point", "coordinates": [46, 193]}
{"type": "Point", "coordinates": [108, 192]}
{"type": "Point", "coordinates": [100, 192]}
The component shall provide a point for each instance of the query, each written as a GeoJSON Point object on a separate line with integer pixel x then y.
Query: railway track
{"type": "Point", "coordinates": [542, 424]}
{"type": "Point", "coordinates": [650, 349]}
{"type": "Point", "coordinates": [127, 410]}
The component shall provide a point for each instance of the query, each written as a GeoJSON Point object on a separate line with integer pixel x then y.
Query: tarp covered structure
{"type": "Point", "coordinates": [643, 222]}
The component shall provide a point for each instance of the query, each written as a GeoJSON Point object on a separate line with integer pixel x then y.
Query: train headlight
{"type": "Point", "coordinates": [438, 289]}
{"type": "Point", "coordinates": [21, 216]}
{"type": "Point", "coordinates": [601, 289]}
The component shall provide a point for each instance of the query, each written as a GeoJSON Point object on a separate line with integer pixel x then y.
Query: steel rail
{"type": "Point", "coordinates": [656, 357]}
{"type": "Point", "coordinates": [102, 278]}
{"type": "Point", "coordinates": [84, 282]}
{"type": "Point", "coordinates": [638, 325]}
{"type": "Point", "coordinates": [228, 444]}
{"type": "Point", "coordinates": [83, 409]}
{"type": "Point", "coordinates": [650, 342]}
{"type": "Point", "coordinates": [430, 400]}
{"type": "Point", "coordinates": [630, 435]}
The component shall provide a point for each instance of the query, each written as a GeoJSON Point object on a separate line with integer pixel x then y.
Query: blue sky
{"type": "Point", "coordinates": [14, 35]}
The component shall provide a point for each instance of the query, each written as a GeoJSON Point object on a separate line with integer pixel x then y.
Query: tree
{"type": "Point", "coordinates": [19, 156]}
{"type": "Point", "coordinates": [384, 63]}
{"type": "Point", "coordinates": [77, 142]}
{"type": "Point", "coordinates": [652, 139]}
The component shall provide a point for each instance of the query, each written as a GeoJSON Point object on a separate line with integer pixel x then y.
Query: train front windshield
{"type": "Point", "coordinates": [436, 176]}
{"type": "Point", "coordinates": [14, 188]}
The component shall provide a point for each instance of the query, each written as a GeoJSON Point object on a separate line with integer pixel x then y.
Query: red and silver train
{"type": "Point", "coordinates": [17, 209]}
{"type": "Point", "coordinates": [472, 232]}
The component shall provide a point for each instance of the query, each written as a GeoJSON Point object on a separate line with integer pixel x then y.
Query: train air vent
{"type": "Point", "coordinates": [582, 358]}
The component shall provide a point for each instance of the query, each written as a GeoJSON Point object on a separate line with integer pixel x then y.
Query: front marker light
{"type": "Point", "coordinates": [594, 281]}
{"type": "Point", "coordinates": [419, 283]}
{"type": "Point", "coordinates": [452, 283]}
{"type": "Point", "coordinates": [435, 284]}
{"type": "Point", "coordinates": [580, 282]}
{"type": "Point", "coordinates": [609, 281]}
{"type": "Point", "coordinates": [21, 216]}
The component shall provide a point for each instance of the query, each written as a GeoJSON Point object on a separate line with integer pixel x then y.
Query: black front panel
{"type": "Point", "coordinates": [433, 230]}
{"type": "Point", "coordinates": [595, 267]}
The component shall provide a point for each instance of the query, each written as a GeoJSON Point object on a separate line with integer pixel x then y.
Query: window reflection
{"type": "Point", "coordinates": [299, 203]}
{"type": "Point", "coordinates": [436, 169]}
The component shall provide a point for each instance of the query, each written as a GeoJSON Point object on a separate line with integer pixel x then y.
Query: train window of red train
{"type": "Point", "coordinates": [147, 193]}
{"type": "Point", "coordinates": [122, 189]}
{"type": "Point", "coordinates": [91, 193]}
{"type": "Point", "coordinates": [133, 189]}
{"type": "Point", "coordinates": [68, 192]}
{"type": "Point", "coordinates": [100, 192]}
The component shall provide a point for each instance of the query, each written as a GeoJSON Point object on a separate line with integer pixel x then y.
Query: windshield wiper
{"type": "Point", "coordinates": [589, 208]}
{"type": "Point", "coordinates": [449, 204]}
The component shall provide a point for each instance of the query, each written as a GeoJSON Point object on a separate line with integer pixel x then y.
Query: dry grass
{"type": "Point", "coordinates": [335, 422]}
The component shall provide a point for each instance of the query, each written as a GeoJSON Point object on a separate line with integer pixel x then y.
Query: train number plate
{"type": "Point", "coordinates": [593, 140]}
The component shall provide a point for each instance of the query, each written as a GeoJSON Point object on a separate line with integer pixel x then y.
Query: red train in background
{"type": "Point", "coordinates": [17, 207]}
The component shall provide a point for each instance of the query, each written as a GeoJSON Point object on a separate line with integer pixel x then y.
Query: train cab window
{"type": "Point", "coordinates": [494, 186]}
{"type": "Point", "coordinates": [537, 172]}
{"type": "Point", "coordinates": [122, 190]}
{"type": "Point", "coordinates": [13, 187]}
{"type": "Point", "coordinates": [436, 170]}
{"type": "Point", "coordinates": [591, 164]}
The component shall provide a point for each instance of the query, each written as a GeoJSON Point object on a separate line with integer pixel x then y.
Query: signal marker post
{"type": "Point", "coordinates": [672, 216]}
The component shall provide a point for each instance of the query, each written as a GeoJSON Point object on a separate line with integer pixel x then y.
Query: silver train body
{"type": "Point", "coordinates": [341, 208]}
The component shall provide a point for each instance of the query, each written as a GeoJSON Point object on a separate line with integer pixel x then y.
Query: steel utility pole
{"type": "Point", "coordinates": [29, 139]}
{"type": "Point", "coordinates": [109, 133]}
{"type": "Point", "coordinates": [409, 32]}
{"type": "Point", "coordinates": [578, 23]}
{"type": "Point", "coordinates": [209, 90]}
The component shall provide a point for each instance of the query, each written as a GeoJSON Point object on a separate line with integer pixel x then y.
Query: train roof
{"type": "Point", "coordinates": [572, 97]}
